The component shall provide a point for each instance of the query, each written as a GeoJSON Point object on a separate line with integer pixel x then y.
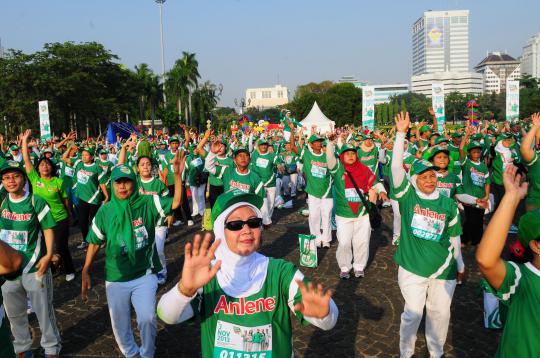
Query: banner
{"type": "Point", "coordinates": [44, 125]}
{"type": "Point", "coordinates": [368, 107]}
{"type": "Point", "coordinates": [437, 103]}
{"type": "Point", "coordinates": [512, 100]}
{"type": "Point", "coordinates": [434, 36]}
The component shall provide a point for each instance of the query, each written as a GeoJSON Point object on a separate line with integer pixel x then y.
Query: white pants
{"type": "Point", "coordinates": [353, 242]}
{"type": "Point", "coordinates": [289, 184]}
{"type": "Point", "coordinates": [197, 198]}
{"type": "Point", "coordinates": [436, 296]}
{"type": "Point", "coordinates": [41, 295]}
{"type": "Point", "coordinates": [397, 217]}
{"type": "Point", "coordinates": [320, 214]}
{"type": "Point", "coordinates": [160, 237]}
{"type": "Point", "coordinates": [141, 293]}
{"type": "Point", "coordinates": [268, 206]}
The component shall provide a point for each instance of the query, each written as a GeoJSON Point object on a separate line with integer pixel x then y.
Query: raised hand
{"type": "Point", "coordinates": [512, 183]}
{"type": "Point", "coordinates": [431, 111]}
{"type": "Point", "coordinates": [216, 147]}
{"type": "Point", "coordinates": [402, 122]}
{"type": "Point", "coordinates": [25, 135]}
{"type": "Point", "coordinates": [535, 119]}
{"type": "Point", "coordinates": [197, 271]}
{"type": "Point", "coordinates": [315, 302]}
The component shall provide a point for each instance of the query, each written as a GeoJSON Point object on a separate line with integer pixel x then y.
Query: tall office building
{"type": "Point", "coordinates": [441, 42]}
{"type": "Point", "coordinates": [440, 53]}
{"type": "Point", "coordinates": [530, 59]}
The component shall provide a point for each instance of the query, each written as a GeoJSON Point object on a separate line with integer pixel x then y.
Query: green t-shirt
{"type": "Point", "coordinates": [256, 326]}
{"type": "Point", "coordinates": [370, 158]}
{"type": "Point", "coordinates": [502, 159]}
{"type": "Point", "coordinates": [318, 179]}
{"type": "Point", "coordinates": [153, 186]}
{"type": "Point", "coordinates": [289, 160]}
{"type": "Point", "coordinates": [21, 223]}
{"type": "Point", "coordinates": [426, 228]}
{"type": "Point", "coordinates": [194, 167]}
{"type": "Point", "coordinates": [166, 162]}
{"type": "Point", "coordinates": [265, 166]}
{"type": "Point", "coordinates": [118, 267]}
{"type": "Point", "coordinates": [224, 162]}
{"type": "Point", "coordinates": [520, 291]}
{"type": "Point", "coordinates": [249, 182]}
{"type": "Point", "coordinates": [88, 177]}
{"type": "Point", "coordinates": [106, 167]}
{"type": "Point", "coordinates": [475, 176]}
{"type": "Point", "coordinates": [344, 196]}
{"type": "Point", "coordinates": [66, 173]}
{"type": "Point", "coordinates": [53, 191]}
{"type": "Point", "coordinates": [449, 185]}
{"type": "Point", "coordinates": [533, 176]}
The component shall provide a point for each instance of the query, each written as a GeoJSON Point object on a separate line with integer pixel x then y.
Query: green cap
{"type": "Point", "coordinates": [474, 144]}
{"type": "Point", "coordinates": [314, 138]}
{"type": "Point", "coordinates": [504, 135]}
{"type": "Point", "coordinates": [441, 139]}
{"type": "Point", "coordinates": [11, 165]}
{"type": "Point", "coordinates": [262, 141]}
{"type": "Point", "coordinates": [529, 227]}
{"type": "Point", "coordinates": [425, 128]}
{"type": "Point", "coordinates": [433, 151]}
{"type": "Point", "coordinates": [346, 147]}
{"type": "Point", "coordinates": [240, 149]}
{"type": "Point", "coordinates": [420, 166]}
{"type": "Point", "coordinates": [14, 147]}
{"type": "Point", "coordinates": [477, 137]}
{"type": "Point", "coordinates": [457, 135]}
{"type": "Point", "coordinates": [103, 151]}
{"type": "Point", "coordinates": [90, 150]}
{"type": "Point", "coordinates": [434, 135]}
{"type": "Point", "coordinates": [367, 136]}
{"type": "Point", "coordinates": [174, 139]}
{"type": "Point", "coordinates": [232, 197]}
{"type": "Point", "coordinates": [47, 150]}
{"type": "Point", "coordinates": [492, 128]}
{"type": "Point", "coordinates": [122, 171]}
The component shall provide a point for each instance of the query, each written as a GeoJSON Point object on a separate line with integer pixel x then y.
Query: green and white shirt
{"type": "Point", "coordinates": [290, 160]}
{"type": "Point", "coordinates": [106, 167]}
{"type": "Point", "coordinates": [533, 175]}
{"type": "Point", "coordinates": [249, 182]}
{"type": "Point", "coordinates": [318, 179]}
{"type": "Point", "coordinates": [167, 162]}
{"type": "Point", "coordinates": [88, 178]}
{"type": "Point", "coordinates": [265, 166]}
{"type": "Point", "coordinates": [21, 222]}
{"type": "Point", "coordinates": [256, 326]}
{"type": "Point", "coordinates": [426, 228]}
{"type": "Point", "coordinates": [520, 291]}
{"type": "Point", "coordinates": [449, 185]}
{"type": "Point", "coordinates": [475, 176]}
{"type": "Point", "coordinates": [194, 167]}
{"type": "Point", "coordinates": [118, 267]}
{"type": "Point", "coordinates": [370, 159]}
{"type": "Point", "coordinates": [345, 195]}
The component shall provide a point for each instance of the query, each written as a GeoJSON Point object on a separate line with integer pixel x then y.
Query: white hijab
{"type": "Point", "coordinates": [238, 276]}
{"type": "Point", "coordinates": [422, 195]}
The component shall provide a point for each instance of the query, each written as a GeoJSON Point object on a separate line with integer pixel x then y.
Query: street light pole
{"type": "Point", "coordinates": [160, 3]}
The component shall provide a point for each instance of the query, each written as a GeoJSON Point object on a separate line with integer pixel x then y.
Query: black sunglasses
{"type": "Point", "coordinates": [236, 225]}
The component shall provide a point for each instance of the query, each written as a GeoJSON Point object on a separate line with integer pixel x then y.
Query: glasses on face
{"type": "Point", "coordinates": [236, 225]}
{"type": "Point", "coordinates": [11, 177]}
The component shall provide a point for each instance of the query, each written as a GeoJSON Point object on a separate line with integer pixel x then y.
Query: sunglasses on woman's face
{"type": "Point", "coordinates": [235, 225]}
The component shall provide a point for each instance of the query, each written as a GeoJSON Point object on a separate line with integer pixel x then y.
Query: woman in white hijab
{"type": "Point", "coordinates": [428, 248]}
{"type": "Point", "coordinates": [243, 297]}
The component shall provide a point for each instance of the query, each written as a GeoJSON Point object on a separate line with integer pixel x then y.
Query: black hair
{"type": "Point", "coordinates": [50, 162]}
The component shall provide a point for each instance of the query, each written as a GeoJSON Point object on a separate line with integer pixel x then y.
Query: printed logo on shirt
{"type": "Point", "coordinates": [233, 340]}
{"type": "Point", "coordinates": [243, 307]}
{"type": "Point", "coordinates": [144, 192]}
{"type": "Point", "coordinates": [318, 169]}
{"type": "Point", "coordinates": [241, 186]}
{"type": "Point", "coordinates": [15, 216]}
{"type": "Point", "coordinates": [477, 177]}
{"type": "Point", "coordinates": [427, 224]}
{"type": "Point", "coordinates": [40, 184]}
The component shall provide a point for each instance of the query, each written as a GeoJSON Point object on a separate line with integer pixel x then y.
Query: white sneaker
{"type": "Point", "coordinates": [70, 277]}
{"type": "Point", "coordinates": [82, 245]}
{"type": "Point", "coordinates": [386, 204]}
{"type": "Point", "coordinates": [190, 223]}
{"type": "Point", "coordinates": [326, 245]}
{"type": "Point", "coordinates": [177, 223]}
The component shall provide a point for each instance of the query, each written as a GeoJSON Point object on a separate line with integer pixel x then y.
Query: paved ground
{"type": "Point", "coordinates": [370, 308]}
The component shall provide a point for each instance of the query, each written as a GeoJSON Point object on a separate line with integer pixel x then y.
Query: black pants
{"type": "Point", "coordinates": [213, 193]}
{"type": "Point", "coordinates": [182, 212]}
{"type": "Point", "coordinates": [473, 229]}
{"type": "Point", "coordinates": [86, 215]}
{"type": "Point", "coordinates": [498, 192]}
{"type": "Point", "coordinates": [61, 236]}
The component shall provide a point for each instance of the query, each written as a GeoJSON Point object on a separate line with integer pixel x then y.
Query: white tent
{"type": "Point", "coordinates": [317, 118]}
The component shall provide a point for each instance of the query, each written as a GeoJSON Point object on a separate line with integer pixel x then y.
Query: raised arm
{"type": "Point", "coordinates": [464, 141]}
{"type": "Point", "coordinates": [488, 255]}
{"type": "Point", "coordinates": [178, 163]}
{"type": "Point", "coordinates": [24, 148]}
{"type": "Point", "coordinates": [528, 143]}
{"type": "Point", "coordinates": [330, 156]}
{"type": "Point", "coordinates": [434, 119]}
{"type": "Point", "coordinates": [202, 143]}
{"type": "Point", "coordinates": [294, 148]}
{"type": "Point", "coordinates": [402, 125]}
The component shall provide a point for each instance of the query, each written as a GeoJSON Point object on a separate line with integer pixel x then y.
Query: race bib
{"type": "Point", "coordinates": [70, 172]}
{"type": "Point", "coordinates": [82, 178]}
{"type": "Point", "coordinates": [426, 228]}
{"type": "Point", "coordinates": [235, 341]}
{"type": "Point", "coordinates": [478, 179]}
{"type": "Point", "coordinates": [18, 240]}
{"type": "Point", "coordinates": [141, 237]}
{"type": "Point", "coordinates": [318, 172]}
{"type": "Point", "coordinates": [261, 162]}
{"type": "Point", "coordinates": [196, 162]}
{"type": "Point", "coordinates": [352, 195]}
{"type": "Point", "coordinates": [444, 191]}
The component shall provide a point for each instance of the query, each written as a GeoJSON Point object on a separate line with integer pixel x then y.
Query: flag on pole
{"type": "Point", "coordinates": [512, 100]}
{"type": "Point", "coordinates": [44, 124]}
{"type": "Point", "coordinates": [437, 103]}
{"type": "Point", "coordinates": [368, 107]}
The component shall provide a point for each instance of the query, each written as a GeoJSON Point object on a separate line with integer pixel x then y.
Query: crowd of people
{"type": "Point", "coordinates": [443, 184]}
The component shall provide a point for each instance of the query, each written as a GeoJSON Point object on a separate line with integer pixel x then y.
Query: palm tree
{"type": "Point", "coordinates": [205, 99]}
{"type": "Point", "coordinates": [182, 80]}
{"type": "Point", "coordinates": [150, 91]}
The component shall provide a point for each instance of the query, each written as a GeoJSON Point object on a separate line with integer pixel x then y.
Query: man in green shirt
{"type": "Point", "coordinates": [530, 153]}
{"type": "Point", "coordinates": [27, 226]}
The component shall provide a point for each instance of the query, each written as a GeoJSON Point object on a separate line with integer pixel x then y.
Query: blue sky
{"type": "Point", "coordinates": [248, 43]}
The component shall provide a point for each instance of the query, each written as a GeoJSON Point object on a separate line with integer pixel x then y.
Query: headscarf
{"type": "Point", "coordinates": [362, 175]}
{"type": "Point", "coordinates": [122, 220]}
{"type": "Point", "coordinates": [238, 276]}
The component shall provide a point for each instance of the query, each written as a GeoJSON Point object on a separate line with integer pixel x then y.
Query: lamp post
{"type": "Point", "coordinates": [160, 3]}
